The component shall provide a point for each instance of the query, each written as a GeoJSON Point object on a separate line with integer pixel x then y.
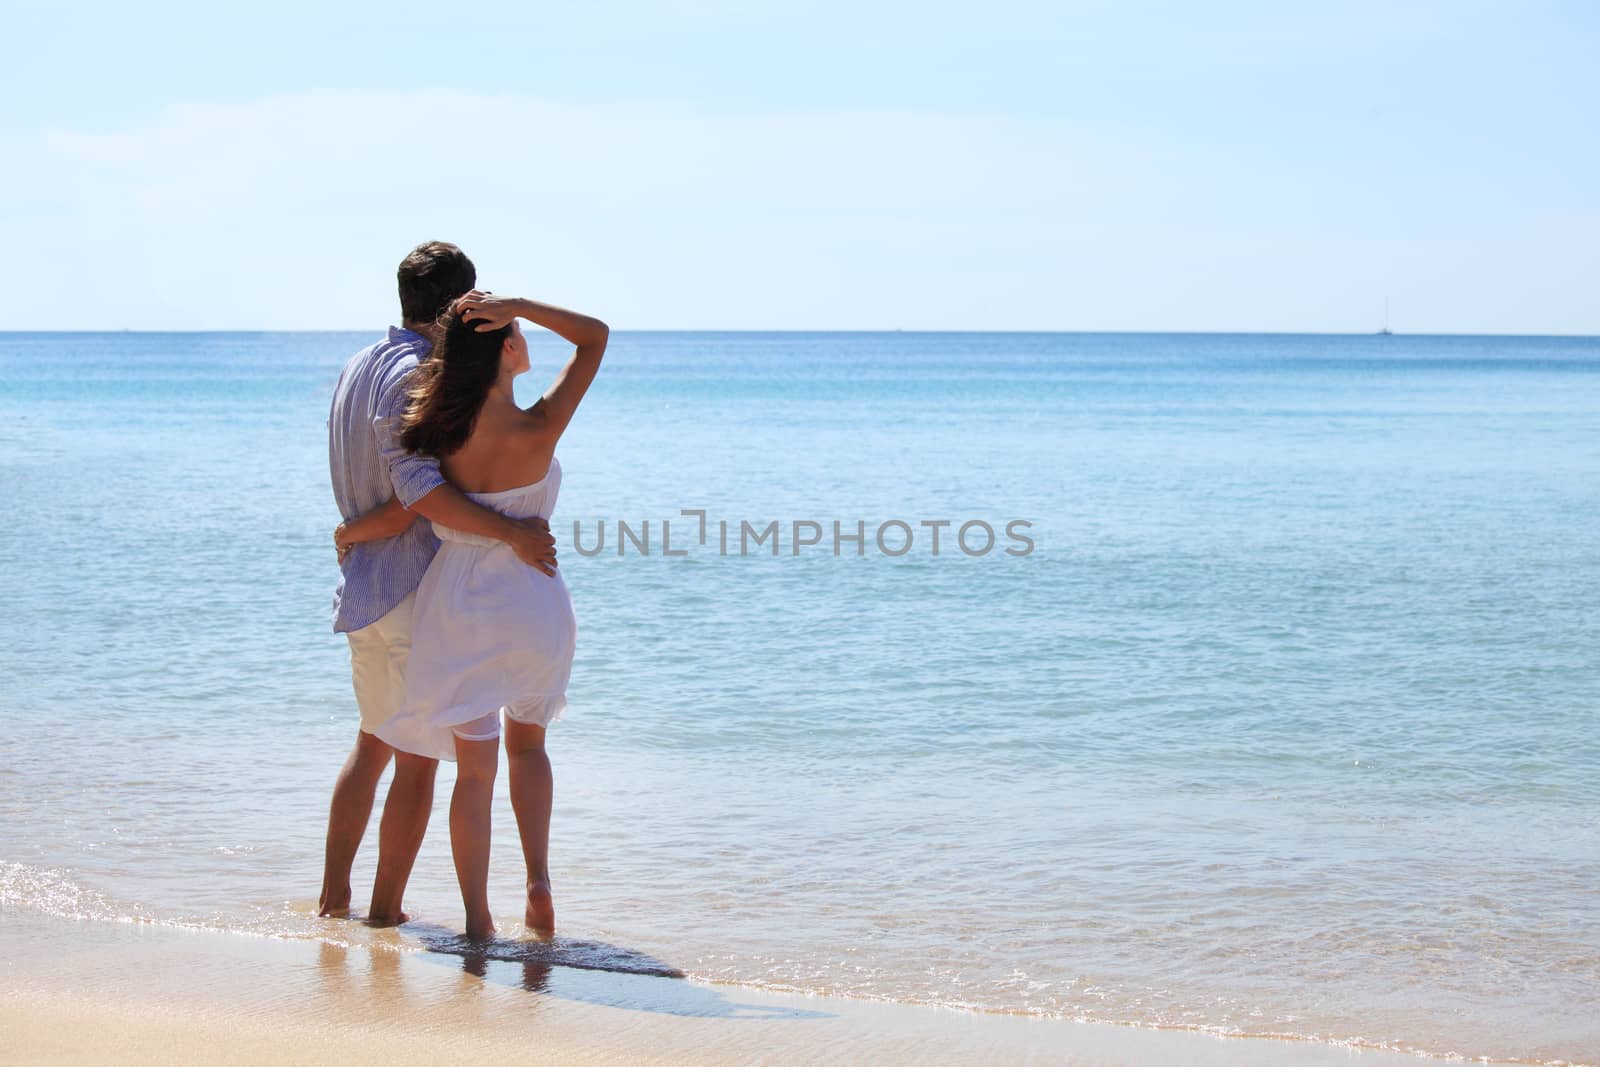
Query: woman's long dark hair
{"type": "Point", "coordinates": [448, 389]}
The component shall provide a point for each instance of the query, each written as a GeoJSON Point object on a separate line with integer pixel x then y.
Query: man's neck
{"type": "Point", "coordinates": [423, 328]}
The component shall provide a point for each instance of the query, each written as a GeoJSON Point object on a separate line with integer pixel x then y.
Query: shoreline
{"type": "Point", "coordinates": [75, 990]}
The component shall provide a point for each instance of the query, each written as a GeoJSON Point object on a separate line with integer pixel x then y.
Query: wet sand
{"type": "Point", "coordinates": [82, 991]}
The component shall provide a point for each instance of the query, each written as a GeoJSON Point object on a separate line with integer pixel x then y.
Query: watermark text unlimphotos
{"type": "Point", "coordinates": [891, 537]}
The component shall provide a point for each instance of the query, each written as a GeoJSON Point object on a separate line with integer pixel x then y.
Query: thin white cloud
{"type": "Point", "coordinates": [291, 211]}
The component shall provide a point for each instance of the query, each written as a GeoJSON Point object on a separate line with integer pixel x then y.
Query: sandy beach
{"type": "Point", "coordinates": [83, 991]}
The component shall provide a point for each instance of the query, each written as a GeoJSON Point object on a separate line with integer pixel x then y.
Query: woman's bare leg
{"type": "Point", "coordinates": [476, 764]}
{"type": "Point", "coordinates": [532, 792]}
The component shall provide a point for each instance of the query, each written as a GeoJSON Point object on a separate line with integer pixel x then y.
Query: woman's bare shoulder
{"type": "Point", "coordinates": [534, 421]}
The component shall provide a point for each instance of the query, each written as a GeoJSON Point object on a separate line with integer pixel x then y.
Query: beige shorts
{"type": "Point", "coordinates": [378, 654]}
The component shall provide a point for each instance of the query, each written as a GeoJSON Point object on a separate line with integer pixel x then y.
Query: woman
{"type": "Point", "coordinates": [490, 635]}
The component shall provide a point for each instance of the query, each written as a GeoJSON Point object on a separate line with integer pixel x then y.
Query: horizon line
{"type": "Point", "coordinates": [877, 330]}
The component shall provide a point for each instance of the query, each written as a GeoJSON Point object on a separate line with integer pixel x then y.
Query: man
{"type": "Point", "coordinates": [372, 605]}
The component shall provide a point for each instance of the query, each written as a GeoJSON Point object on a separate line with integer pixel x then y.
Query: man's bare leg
{"type": "Point", "coordinates": [532, 793]}
{"type": "Point", "coordinates": [347, 820]}
{"type": "Point", "coordinates": [405, 821]}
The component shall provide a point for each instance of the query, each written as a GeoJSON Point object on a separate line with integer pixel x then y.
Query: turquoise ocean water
{"type": "Point", "coordinates": [1289, 722]}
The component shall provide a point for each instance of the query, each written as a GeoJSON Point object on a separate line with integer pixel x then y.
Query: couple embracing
{"type": "Point", "coordinates": [463, 620]}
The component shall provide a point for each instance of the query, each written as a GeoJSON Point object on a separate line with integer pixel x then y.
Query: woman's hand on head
{"type": "Point", "coordinates": [487, 311]}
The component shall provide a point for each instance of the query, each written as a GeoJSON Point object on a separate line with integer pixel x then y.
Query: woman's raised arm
{"type": "Point", "coordinates": [588, 334]}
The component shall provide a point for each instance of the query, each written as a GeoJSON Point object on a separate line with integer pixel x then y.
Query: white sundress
{"type": "Point", "coordinates": [489, 634]}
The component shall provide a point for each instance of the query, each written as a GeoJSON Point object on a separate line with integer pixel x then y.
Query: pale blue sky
{"type": "Point", "coordinates": [1120, 166]}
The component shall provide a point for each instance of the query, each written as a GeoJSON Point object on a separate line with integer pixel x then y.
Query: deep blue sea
{"type": "Point", "coordinates": [1285, 719]}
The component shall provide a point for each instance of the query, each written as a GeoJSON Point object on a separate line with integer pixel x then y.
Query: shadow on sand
{"type": "Point", "coordinates": [593, 972]}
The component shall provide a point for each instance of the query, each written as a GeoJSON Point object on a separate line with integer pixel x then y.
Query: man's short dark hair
{"type": "Point", "coordinates": [431, 277]}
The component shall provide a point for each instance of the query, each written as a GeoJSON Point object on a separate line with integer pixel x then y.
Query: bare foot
{"type": "Point", "coordinates": [335, 905]}
{"type": "Point", "coordinates": [481, 930]}
{"type": "Point", "coordinates": [387, 920]}
{"type": "Point", "coordinates": [540, 916]}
